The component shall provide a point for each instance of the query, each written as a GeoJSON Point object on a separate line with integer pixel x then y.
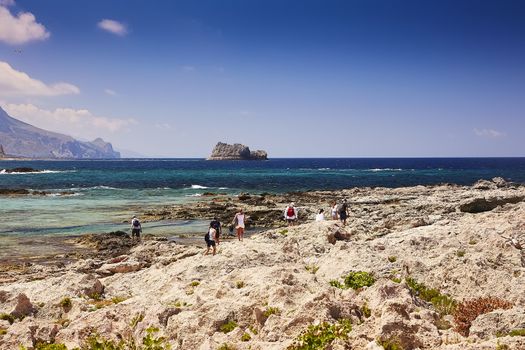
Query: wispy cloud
{"type": "Point", "coordinates": [21, 28]}
{"type": "Point", "coordinates": [489, 133]}
{"type": "Point", "coordinates": [114, 27]}
{"type": "Point", "coordinates": [16, 83]}
{"type": "Point", "coordinates": [77, 122]}
{"type": "Point", "coordinates": [188, 68]}
{"type": "Point", "coordinates": [110, 92]}
{"type": "Point", "coordinates": [163, 126]}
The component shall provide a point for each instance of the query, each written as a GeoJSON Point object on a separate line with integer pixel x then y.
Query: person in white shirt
{"type": "Point", "coordinates": [239, 223]}
{"type": "Point", "coordinates": [320, 215]}
{"type": "Point", "coordinates": [210, 239]}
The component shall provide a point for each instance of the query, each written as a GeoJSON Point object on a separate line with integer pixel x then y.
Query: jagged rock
{"type": "Point", "coordinates": [23, 307]}
{"type": "Point", "coordinates": [90, 286]}
{"type": "Point", "coordinates": [498, 323]}
{"type": "Point", "coordinates": [224, 151]}
{"type": "Point", "coordinates": [480, 205]}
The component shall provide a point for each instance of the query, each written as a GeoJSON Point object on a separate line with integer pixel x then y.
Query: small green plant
{"type": "Point", "coordinates": [3, 331]}
{"type": "Point", "coordinates": [472, 241]}
{"type": "Point", "coordinates": [136, 320]}
{"type": "Point", "coordinates": [118, 299]}
{"type": "Point", "coordinates": [253, 330]}
{"type": "Point", "coordinates": [151, 342]}
{"type": "Point", "coordinates": [312, 268]}
{"type": "Point", "coordinates": [460, 253]}
{"type": "Point", "coordinates": [66, 303]}
{"type": "Point", "coordinates": [392, 259]}
{"type": "Point", "coordinates": [318, 337]}
{"type": "Point", "coordinates": [246, 337]}
{"type": "Point", "coordinates": [271, 311]}
{"type": "Point", "coordinates": [366, 310]}
{"type": "Point", "coordinates": [239, 284]}
{"type": "Point", "coordinates": [444, 304]}
{"type": "Point", "coordinates": [283, 232]}
{"type": "Point", "coordinates": [390, 344]}
{"type": "Point", "coordinates": [517, 332]}
{"type": "Point", "coordinates": [228, 327]}
{"type": "Point", "coordinates": [502, 346]}
{"type": "Point", "coordinates": [194, 283]}
{"type": "Point", "coordinates": [95, 296]}
{"type": "Point", "coordinates": [7, 317]}
{"type": "Point", "coordinates": [395, 279]}
{"type": "Point", "coordinates": [46, 346]}
{"type": "Point", "coordinates": [226, 347]}
{"type": "Point", "coordinates": [354, 280]}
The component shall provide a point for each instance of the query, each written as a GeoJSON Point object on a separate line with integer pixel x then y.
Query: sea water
{"type": "Point", "coordinates": [91, 196]}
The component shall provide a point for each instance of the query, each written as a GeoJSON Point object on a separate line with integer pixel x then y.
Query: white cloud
{"type": "Point", "coordinates": [489, 133]}
{"type": "Point", "coordinates": [76, 122]}
{"type": "Point", "coordinates": [163, 126]}
{"type": "Point", "coordinates": [19, 29]}
{"type": "Point", "coordinates": [113, 27]}
{"type": "Point", "coordinates": [16, 83]}
{"type": "Point", "coordinates": [7, 3]}
{"type": "Point", "coordinates": [188, 68]}
{"type": "Point", "coordinates": [110, 92]}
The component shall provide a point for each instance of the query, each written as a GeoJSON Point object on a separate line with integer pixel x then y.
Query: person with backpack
{"type": "Point", "coordinates": [216, 224]}
{"type": "Point", "coordinates": [136, 228]}
{"type": "Point", "coordinates": [343, 212]}
{"type": "Point", "coordinates": [290, 214]}
{"type": "Point", "coordinates": [210, 238]}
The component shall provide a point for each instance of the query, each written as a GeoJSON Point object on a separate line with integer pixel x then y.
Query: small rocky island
{"type": "Point", "coordinates": [224, 151]}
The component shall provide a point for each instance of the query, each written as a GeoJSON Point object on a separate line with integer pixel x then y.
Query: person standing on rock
{"type": "Point", "coordinates": [239, 223]}
{"type": "Point", "coordinates": [290, 214]}
{"type": "Point", "coordinates": [210, 239]}
{"type": "Point", "coordinates": [320, 215]}
{"type": "Point", "coordinates": [333, 211]}
{"type": "Point", "coordinates": [136, 228]}
{"type": "Point", "coordinates": [216, 224]}
{"type": "Point", "coordinates": [343, 212]}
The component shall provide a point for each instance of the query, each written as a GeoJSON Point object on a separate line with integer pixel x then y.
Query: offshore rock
{"type": "Point", "coordinates": [224, 151]}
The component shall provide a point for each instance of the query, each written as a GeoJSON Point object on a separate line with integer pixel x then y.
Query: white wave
{"type": "Point", "coordinates": [198, 187]}
{"type": "Point", "coordinates": [385, 169]}
{"type": "Point", "coordinates": [4, 172]}
{"type": "Point", "coordinates": [223, 188]}
{"type": "Point", "coordinates": [64, 195]}
{"type": "Point", "coordinates": [323, 169]}
{"type": "Point", "coordinates": [194, 195]}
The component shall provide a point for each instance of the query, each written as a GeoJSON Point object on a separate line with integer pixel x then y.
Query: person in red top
{"type": "Point", "coordinates": [290, 214]}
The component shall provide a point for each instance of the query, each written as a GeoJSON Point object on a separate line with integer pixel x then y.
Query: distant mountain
{"type": "Point", "coordinates": [20, 139]}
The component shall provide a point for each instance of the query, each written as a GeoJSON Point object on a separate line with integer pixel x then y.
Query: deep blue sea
{"type": "Point", "coordinates": [107, 192]}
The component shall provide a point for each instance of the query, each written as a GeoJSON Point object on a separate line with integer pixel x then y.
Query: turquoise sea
{"type": "Point", "coordinates": [104, 194]}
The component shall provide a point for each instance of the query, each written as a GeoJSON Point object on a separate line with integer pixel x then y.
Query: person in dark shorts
{"type": "Point", "coordinates": [210, 238]}
{"type": "Point", "coordinates": [343, 212]}
{"type": "Point", "coordinates": [136, 228]}
{"type": "Point", "coordinates": [216, 224]}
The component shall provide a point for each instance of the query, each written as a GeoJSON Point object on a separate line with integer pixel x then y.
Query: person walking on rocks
{"type": "Point", "coordinates": [136, 228]}
{"type": "Point", "coordinates": [210, 238]}
{"type": "Point", "coordinates": [216, 224]}
{"type": "Point", "coordinates": [333, 211]}
{"type": "Point", "coordinates": [239, 223]}
{"type": "Point", "coordinates": [290, 214]}
{"type": "Point", "coordinates": [343, 212]}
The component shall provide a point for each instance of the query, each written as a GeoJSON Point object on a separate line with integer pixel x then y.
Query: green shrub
{"type": "Point", "coordinates": [392, 259]}
{"type": "Point", "coordinates": [45, 346]}
{"type": "Point", "coordinates": [318, 337]}
{"type": "Point", "coordinates": [228, 327]}
{"type": "Point", "coordinates": [3, 331]}
{"type": "Point", "coordinates": [66, 303]}
{"type": "Point", "coordinates": [283, 232]}
{"type": "Point", "coordinates": [390, 344]}
{"type": "Point", "coordinates": [460, 253]}
{"type": "Point", "coordinates": [150, 342]}
{"type": "Point", "coordinates": [118, 299]}
{"type": "Point", "coordinates": [7, 317]}
{"type": "Point", "coordinates": [227, 347]}
{"type": "Point", "coordinates": [366, 310]}
{"type": "Point", "coordinates": [271, 311]}
{"type": "Point", "coordinates": [444, 304]}
{"type": "Point", "coordinates": [354, 280]}
{"type": "Point", "coordinates": [517, 332]}
{"type": "Point", "coordinates": [253, 330]}
{"type": "Point", "coordinates": [246, 337]}
{"type": "Point", "coordinates": [195, 283]}
{"type": "Point", "coordinates": [312, 268]}
{"type": "Point", "coordinates": [395, 279]}
{"type": "Point", "coordinates": [239, 284]}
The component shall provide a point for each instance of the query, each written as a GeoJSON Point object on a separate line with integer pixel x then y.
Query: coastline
{"type": "Point", "coordinates": [463, 241]}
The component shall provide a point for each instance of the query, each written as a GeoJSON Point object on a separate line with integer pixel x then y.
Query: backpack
{"type": "Point", "coordinates": [290, 212]}
{"type": "Point", "coordinates": [136, 223]}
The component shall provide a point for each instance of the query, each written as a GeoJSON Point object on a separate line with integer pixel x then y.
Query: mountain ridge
{"type": "Point", "coordinates": [20, 139]}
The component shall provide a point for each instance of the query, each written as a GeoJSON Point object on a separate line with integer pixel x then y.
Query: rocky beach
{"type": "Point", "coordinates": [422, 267]}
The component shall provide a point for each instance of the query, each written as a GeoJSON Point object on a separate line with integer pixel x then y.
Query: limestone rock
{"type": "Point", "coordinates": [224, 151]}
{"type": "Point", "coordinates": [89, 286]}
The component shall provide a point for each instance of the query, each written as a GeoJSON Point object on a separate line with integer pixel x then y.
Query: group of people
{"type": "Point", "coordinates": [212, 237]}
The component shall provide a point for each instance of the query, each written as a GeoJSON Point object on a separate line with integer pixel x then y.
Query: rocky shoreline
{"type": "Point", "coordinates": [424, 267]}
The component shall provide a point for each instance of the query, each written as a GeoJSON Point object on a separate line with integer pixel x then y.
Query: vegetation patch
{"type": "Point", "coordinates": [194, 283]}
{"type": "Point", "coordinates": [354, 280]}
{"type": "Point", "coordinates": [517, 332]}
{"type": "Point", "coordinates": [390, 344]}
{"type": "Point", "coordinates": [239, 284]}
{"type": "Point", "coordinates": [444, 304]}
{"type": "Point", "coordinates": [66, 303]}
{"type": "Point", "coordinates": [366, 310]}
{"type": "Point", "coordinates": [228, 327]}
{"type": "Point", "coordinates": [46, 346]}
{"type": "Point", "coordinates": [7, 317]}
{"type": "Point", "coordinates": [318, 337]}
{"type": "Point", "coordinates": [283, 232]}
{"type": "Point", "coordinates": [227, 347]}
{"type": "Point", "coordinates": [469, 310]}
{"type": "Point", "coordinates": [460, 253]}
{"type": "Point", "coordinates": [246, 337]}
{"type": "Point", "coordinates": [118, 299]}
{"type": "Point", "coordinates": [312, 268]}
{"type": "Point", "coordinates": [271, 311]}
{"type": "Point", "coordinates": [253, 330]}
{"type": "Point", "coordinates": [136, 320]}
{"type": "Point", "coordinates": [392, 259]}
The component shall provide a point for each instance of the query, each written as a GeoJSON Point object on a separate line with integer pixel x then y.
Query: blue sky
{"type": "Point", "coordinates": [296, 78]}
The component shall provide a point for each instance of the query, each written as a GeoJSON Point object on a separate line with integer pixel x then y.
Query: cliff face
{"type": "Point", "coordinates": [20, 139]}
{"type": "Point", "coordinates": [224, 151]}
